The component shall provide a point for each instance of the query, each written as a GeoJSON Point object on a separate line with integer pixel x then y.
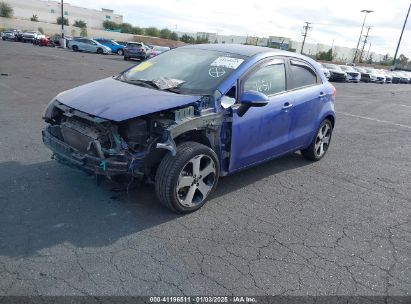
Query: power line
{"type": "Point", "coordinates": [306, 27]}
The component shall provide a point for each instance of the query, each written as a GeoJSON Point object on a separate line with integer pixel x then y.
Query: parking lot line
{"type": "Point", "coordinates": [375, 119]}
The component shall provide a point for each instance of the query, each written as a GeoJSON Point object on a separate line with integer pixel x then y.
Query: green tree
{"type": "Point", "coordinates": [165, 33]}
{"type": "Point", "coordinates": [187, 39]}
{"type": "Point", "coordinates": [201, 40]}
{"type": "Point", "coordinates": [152, 31]}
{"type": "Point", "coordinates": [173, 36]}
{"type": "Point", "coordinates": [326, 56]}
{"type": "Point", "coordinates": [40, 29]}
{"type": "Point", "coordinates": [126, 28]}
{"type": "Point", "coordinates": [136, 30]}
{"type": "Point", "coordinates": [65, 20]}
{"type": "Point", "coordinates": [110, 25]}
{"type": "Point", "coordinates": [80, 24]}
{"type": "Point", "coordinates": [83, 32]}
{"type": "Point", "coordinates": [386, 60]}
{"type": "Point", "coordinates": [402, 60]}
{"type": "Point", "coordinates": [6, 10]}
{"type": "Point", "coordinates": [370, 59]}
{"type": "Point", "coordinates": [34, 18]}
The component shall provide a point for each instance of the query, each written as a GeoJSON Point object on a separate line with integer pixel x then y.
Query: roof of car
{"type": "Point", "coordinates": [239, 49]}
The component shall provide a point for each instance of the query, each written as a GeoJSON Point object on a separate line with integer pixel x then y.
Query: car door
{"type": "Point", "coordinates": [309, 97]}
{"type": "Point", "coordinates": [262, 132]}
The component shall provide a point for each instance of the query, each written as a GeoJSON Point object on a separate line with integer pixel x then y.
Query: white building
{"type": "Point", "coordinates": [49, 11]}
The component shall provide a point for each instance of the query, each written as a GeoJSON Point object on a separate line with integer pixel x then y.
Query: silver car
{"type": "Point", "coordinates": [88, 45]}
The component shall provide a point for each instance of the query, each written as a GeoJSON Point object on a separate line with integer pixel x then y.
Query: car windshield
{"type": "Point", "coordinates": [186, 70]}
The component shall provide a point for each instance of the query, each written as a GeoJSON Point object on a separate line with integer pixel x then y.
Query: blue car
{"type": "Point", "coordinates": [186, 117]}
{"type": "Point", "coordinates": [115, 47]}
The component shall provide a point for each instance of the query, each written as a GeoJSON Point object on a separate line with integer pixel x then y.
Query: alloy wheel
{"type": "Point", "coordinates": [322, 140]}
{"type": "Point", "coordinates": [196, 180]}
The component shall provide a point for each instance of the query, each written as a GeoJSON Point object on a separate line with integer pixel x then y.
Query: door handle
{"type": "Point", "coordinates": [322, 95]}
{"type": "Point", "coordinates": [287, 106]}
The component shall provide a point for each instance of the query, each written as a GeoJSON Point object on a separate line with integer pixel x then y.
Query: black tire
{"type": "Point", "coordinates": [312, 153]}
{"type": "Point", "coordinates": [125, 58]}
{"type": "Point", "coordinates": [99, 51]}
{"type": "Point", "coordinates": [170, 168]}
{"type": "Point", "coordinates": [75, 48]}
{"type": "Point", "coordinates": [4, 38]}
{"type": "Point", "coordinates": [120, 52]}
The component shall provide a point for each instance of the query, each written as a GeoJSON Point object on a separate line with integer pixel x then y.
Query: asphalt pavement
{"type": "Point", "coordinates": [340, 226]}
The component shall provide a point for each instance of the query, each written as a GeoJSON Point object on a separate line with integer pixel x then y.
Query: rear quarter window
{"type": "Point", "coordinates": [302, 74]}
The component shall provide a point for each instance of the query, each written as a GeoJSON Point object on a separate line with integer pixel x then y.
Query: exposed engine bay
{"type": "Point", "coordinates": [134, 146]}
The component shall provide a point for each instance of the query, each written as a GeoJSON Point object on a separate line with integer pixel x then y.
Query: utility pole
{"type": "Point", "coordinates": [306, 27]}
{"type": "Point", "coordinates": [362, 28]}
{"type": "Point", "coordinates": [62, 19]}
{"type": "Point", "coordinates": [368, 53]}
{"type": "Point", "coordinates": [365, 42]}
{"type": "Point", "coordinates": [399, 41]}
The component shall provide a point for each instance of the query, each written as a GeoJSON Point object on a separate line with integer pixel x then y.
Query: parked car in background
{"type": "Point", "coordinates": [352, 74]}
{"type": "Point", "coordinates": [193, 114]}
{"type": "Point", "coordinates": [11, 34]}
{"type": "Point", "coordinates": [88, 45]}
{"type": "Point", "coordinates": [388, 76]}
{"type": "Point", "coordinates": [30, 36]}
{"type": "Point", "coordinates": [365, 76]}
{"type": "Point", "coordinates": [325, 71]}
{"type": "Point", "coordinates": [405, 77]}
{"type": "Point", "coordinates": [156, 50]}
{"type": "Point", "coordinates": [336, 73]}
{"type": "Point", "coordinates": [115, 47]}
{"type": "Point", "coordinates": [376, 75]}
{"type": "Point", "coordinates": [136, 50]}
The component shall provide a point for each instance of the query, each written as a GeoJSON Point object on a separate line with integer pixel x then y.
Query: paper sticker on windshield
{"type": "Point", "coordinates": [227, 62]}
{"type": "Point", "coordinates": [142, 66]}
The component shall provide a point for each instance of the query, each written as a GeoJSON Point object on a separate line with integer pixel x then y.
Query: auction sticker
{"type": "Point", "coordinates": [227, 62]}
{"type": "Point", "coordinates": [142, 66]}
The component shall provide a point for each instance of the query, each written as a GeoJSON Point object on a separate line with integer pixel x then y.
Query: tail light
{"type": "Point", "coordinates": [334, 91]}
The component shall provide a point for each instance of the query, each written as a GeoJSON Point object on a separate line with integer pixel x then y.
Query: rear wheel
{"type": "Point", "coordinates": [75, 48]}
{"type": "Point", "coordinates": [99, 51]}
{"type": "Point", "coordinates": [120, 52]}
{"type": "Point", "coordinates": [185, 181]}
{"type": "Point", "coordinates": [320, 143]}
{"type": "Point", "coordinates": [125, 58]}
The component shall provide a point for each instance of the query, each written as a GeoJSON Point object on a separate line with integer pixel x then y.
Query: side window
{"type": "Point", "coordinates": [269, 79]}
{"type": "Point", "coordinates": [302, 75]}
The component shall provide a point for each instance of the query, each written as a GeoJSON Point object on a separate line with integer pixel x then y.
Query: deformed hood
{"type": "Point", "coordinates": [115, 100]}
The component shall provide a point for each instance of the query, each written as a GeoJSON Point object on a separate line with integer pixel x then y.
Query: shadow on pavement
{"type": "Point", "coordinates": [47, 204]}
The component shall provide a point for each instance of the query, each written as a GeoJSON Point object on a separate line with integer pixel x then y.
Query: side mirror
{"type": "Point", "coordinates": [251, 99]}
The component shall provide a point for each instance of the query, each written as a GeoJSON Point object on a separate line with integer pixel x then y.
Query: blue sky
{"type": "Point", "coordinates": [332, 20]}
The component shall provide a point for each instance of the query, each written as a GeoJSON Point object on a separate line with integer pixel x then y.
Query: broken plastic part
{"type": "Point", "coordinates": [169, 145]}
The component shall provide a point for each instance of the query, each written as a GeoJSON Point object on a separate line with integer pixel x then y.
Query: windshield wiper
{"type": "Point", "coordinates": [145, 83]}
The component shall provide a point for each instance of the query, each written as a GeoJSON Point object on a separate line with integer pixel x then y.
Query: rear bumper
{"type": "Point", "coordinates": [92, 164]}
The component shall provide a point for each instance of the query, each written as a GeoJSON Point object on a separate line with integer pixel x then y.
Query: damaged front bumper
{"type": "Point", "coordinates": [86, 162]}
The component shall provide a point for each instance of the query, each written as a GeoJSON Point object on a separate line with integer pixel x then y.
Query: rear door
{"type": "Point", "coordinates": [263, 132]}
{"type": "Point", "coordinates": [309, 97]}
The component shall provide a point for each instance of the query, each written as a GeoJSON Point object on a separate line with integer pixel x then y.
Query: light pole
{"type": "Point", "coordinates": [362, 28]}
{"type": "Point", "coordinates": [399, 41]}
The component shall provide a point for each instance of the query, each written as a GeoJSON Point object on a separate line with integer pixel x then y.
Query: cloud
{"type": "Point", "coordinates": [339, 21]}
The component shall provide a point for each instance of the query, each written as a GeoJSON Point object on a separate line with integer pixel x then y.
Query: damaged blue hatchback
{"type": "Point", "coordinates": [190, 115]}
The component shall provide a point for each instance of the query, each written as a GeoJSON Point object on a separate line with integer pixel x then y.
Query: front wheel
{"type": "Point", "coordinates": [320, 143]}
{"type": "Point", "coordinates": [185, 181]}
{"type": "Point", "coordinates": [75, 48]}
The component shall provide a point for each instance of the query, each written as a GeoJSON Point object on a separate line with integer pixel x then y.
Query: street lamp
{"type": "Point", "coordinates": [362, 28]}
{"type": "Point", "coordinates": [399, 41]}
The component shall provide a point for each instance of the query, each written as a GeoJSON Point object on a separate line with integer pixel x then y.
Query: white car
{"type": "Point", "coordinates": [30, 36]}
{"type": "Point", "coordinates": [155, 50]}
